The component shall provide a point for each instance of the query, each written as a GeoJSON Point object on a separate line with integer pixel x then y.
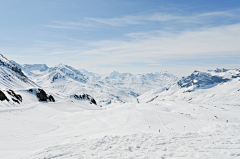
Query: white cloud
{"type": "Point", "coordinates": [92, 22]}
{"type": "Point", "coordinates": [149, 49]}
{"type": "Point", "coordinates": [207, 40]}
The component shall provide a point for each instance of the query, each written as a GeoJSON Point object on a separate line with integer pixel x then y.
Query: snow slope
{"type": "Point", "coordinates": [11, 76]}
{"type": "Point", "coordinates": [213, 86]}
{"type": "Point", "coordinates": [79, 130]}
{"type": "Point", "coordinates": [15, 86]}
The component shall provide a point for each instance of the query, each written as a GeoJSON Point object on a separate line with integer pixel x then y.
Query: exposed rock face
{"type": "Point", "coordinates": [85, 97]}
{"type": "Point", "coordinates": [5, 62]}
{"type": "Point", "coordinates": [3, 96]}
{"type": "Point", "coordinates": [17, 96]}
{"type": "Point", "coordinates": [13, 96]}
{"type": "Point", "coordinates": [200, 79]}
{"type": "Point", "coordinates": [51, 98]}
{"type": "Point", "coordinates": [42, 95]}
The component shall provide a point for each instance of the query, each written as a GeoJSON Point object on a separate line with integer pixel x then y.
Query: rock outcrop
{"type": "Point", "coordinates": [84, 97]}
{"type": "Point", "coordinates": [12, 96]}
{"type": "Point", "coordinates": [200, 79]}
{"type": "Point", "coordinates": [42, 95]}
{"type": "Point", "coordinates": [3, 96]}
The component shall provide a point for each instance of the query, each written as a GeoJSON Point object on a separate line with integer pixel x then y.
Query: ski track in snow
{"type": "Point", "coordinates": [79, 130]}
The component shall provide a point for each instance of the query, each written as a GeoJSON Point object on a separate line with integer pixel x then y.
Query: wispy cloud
{"type": "Point", "coordinates": [153, 48]}
{"type": "Point", "coordinates": [92, 22]}
{"type": "Point", "coordinates": [205, 47]}
{"type": "Point", "coordinates": [206, 40]}
{"type": "Point", "coordinates": [84, 24]}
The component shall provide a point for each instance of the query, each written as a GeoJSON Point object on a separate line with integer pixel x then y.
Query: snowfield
{"type": "Point", "coordinates": [77, 129]}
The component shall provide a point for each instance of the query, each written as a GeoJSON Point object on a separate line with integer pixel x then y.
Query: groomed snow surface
{"type": "Point", "coordinates": [159, 129]}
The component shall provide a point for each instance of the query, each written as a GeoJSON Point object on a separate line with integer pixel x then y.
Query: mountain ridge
{"type": "Point", "coordinates": [211, 86]}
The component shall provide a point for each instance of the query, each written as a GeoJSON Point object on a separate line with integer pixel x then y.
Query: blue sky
{"type": "Point", "coordinates": [136, 36]}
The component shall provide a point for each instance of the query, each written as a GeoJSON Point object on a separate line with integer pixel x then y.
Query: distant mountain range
{"type": "Point", "coordinates": [213, 86]}
{"type": "Point", "coordinates": [63, 81]}
{"type": "Point", "coordinates": [114, 88]}
{"type": "Point", "coordinates": [140, 83]}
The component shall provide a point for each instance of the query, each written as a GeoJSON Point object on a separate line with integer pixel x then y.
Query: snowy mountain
{"type": "Point", "coordinates": [213, 86]}
{"type": "Point", "coordinates": [15, 86]}
{"type": "Point", "coordinates": [140, 83]}
{"type": "Point", "coordinates": [117, 87]}
{"type": "Point", "coordinates": [12, 76]}
{"type": "Point", "coordinates": [69, 81]}
{"type": "Point", "coordinates": [77, 126]}
{"type": "Point", "coordinates": [61, 71]}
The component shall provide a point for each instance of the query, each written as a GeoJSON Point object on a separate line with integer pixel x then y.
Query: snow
{"type": "Point", "coordinates": [79, 130]}
{"type": "Point", "coordinates": [168, 121]}
{"type": "Point", "coordinates": [208, 90]}
{"type": "Point", "coordinates": [140, 83]}
{"type": "Point", "coordinates": [115, 88]}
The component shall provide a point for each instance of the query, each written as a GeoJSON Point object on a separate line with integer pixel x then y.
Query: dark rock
{"type": "Point", "coordinates": [51, 98]}
{"type": "Point", "coordinates": [15, 100]}
{"type": "Point", "coordinates": [42, 95]}
{"type": "Point", "coordinates": [200, 79]}
{"type": "Point", "coordinates": [85, 97]}
{"type": "Point", "coordinates": [3, 96]}
{"type": "Point", "coordinates": [12, 93]}
{"type": "Point", "coordinates": [93, 101]}
{"type": "Point", "coordinates": [5, 62]}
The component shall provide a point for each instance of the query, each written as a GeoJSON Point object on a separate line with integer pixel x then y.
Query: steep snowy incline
{"type": "Point", "coordinates": [213, 86]}
{"type": "Point", "coordinates": [11, 76]}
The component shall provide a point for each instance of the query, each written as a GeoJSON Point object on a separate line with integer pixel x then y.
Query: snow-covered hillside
{"type": "Point", "coordinates": [15, 86]}
{"type": "Point", "coordinates": [213, 86]}
{"type": "Point", "coordinates": [12, 77]}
